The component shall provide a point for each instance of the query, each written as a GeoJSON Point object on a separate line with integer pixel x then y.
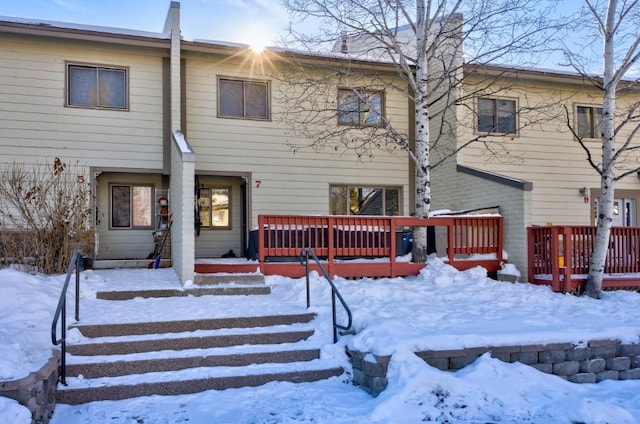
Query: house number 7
{"type": "Point", "coordinates": [258, 182]}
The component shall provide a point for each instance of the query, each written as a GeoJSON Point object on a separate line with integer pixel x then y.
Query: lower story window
{"type": "Point", "coordinates": [131, 206]}
{"type": "Point", "coordinates": [215, 207]}
{"type": "Point", "coordinates": [354, 200]}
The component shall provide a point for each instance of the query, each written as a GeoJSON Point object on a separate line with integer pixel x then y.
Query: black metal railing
{"type": "Point", "coordinates": [304, 261]}
{"type": "Point", "coordinates": [61, 313]}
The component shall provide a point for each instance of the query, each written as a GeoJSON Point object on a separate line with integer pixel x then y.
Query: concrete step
{"type": "Point", "coordinates": [222, 290]}
{"type": "Point", "coordinates": [174, 363]}
{"type": "Point", "coordinates": [193, 380]}
{"type": "Point", "coordinates": [159, 327]}
{"type": "Point", "coordinates": [183, 343]}
{"type": "Point", "coordinates": [202, 279]}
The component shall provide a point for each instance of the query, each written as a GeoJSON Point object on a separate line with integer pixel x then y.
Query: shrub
{"type": "Point", "coordinates": [45, 214]}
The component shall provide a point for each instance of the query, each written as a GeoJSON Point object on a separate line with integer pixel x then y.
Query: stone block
{"type": "Point", "coordinates": [526, 357]}
{"type": "Point", "coordinates": [509, 349]}
{"type": "Point", "coordinates": [425, 354]}
{"type": "Point", "coordinates": [578, 354]}
{"type": "Point", "coordinates": [558, 346]}
{"type": "Point", "coordinates": [582, 377]}
{"type": "Point", "coordinates": [566, 368]}
{"type": "Point", "coordinates": [632, 374]}
{"type": "Point", "coordinates": [502, 356]}
{"type": "Point", "coordinates": [604, 352]}
{"type": "Point", "coordinates": [545, 368]}
{"type": "Point", "coordinates": [358, 377]}
{"type": "Point", "coordinates": [620, 363]}
{"type": "Point", "coordinates": [356, 358]}
{"type": "Point", "coordinates": [457, 362]}
{"type": "Point", "coordinates": [607, 375]}
{"type": "Point", "coordinates": [593, 365]}
{"type": "Point", "coordinates": [630, 350]}
{"type": "Point", "coordinates": [377, 385]}
{"type": "Point", "coordinates": [551, 356]}
{"type": "Point", "coordinates": [439, 363]}
{"type": "Point", "coordinates": [374, 369]}
{"type": "Point", "coordinates": [604, 343]}
{"type": "Point", "coordinates": [383, 360]}
{"type": "Point", "coordinates": [635, 362]}
{"type": "Point", "coordinates": [532, 348]}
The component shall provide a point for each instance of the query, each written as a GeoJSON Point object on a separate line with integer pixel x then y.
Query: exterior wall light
{"type": "Point", "coordinates": [583, 191]}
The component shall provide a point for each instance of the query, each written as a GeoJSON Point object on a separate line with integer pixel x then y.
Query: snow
{"type": "Point", "coordinates": [440, 309]}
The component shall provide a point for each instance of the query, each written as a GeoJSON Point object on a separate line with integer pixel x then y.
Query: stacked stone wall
{"type": "Point", "coordinates": [591, 363]}
{"type": "Point", "coordinates": [37, 391]}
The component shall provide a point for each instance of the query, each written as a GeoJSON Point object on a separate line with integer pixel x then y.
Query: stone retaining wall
{"type": "Point", "coordinates": [36, 391]}
{"type": "Point", "coordinates": [598, 360]}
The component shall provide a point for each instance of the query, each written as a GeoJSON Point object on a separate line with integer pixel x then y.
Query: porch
{"type": "Point", "coordinates": [366, 246]}
{"type": "Point", "coordinates": [559, 257]}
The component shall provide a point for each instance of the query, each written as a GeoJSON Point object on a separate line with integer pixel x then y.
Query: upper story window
{"type": "Point", "coordinates": [243, 99]}
{"type": "Point", "coordinates": [362, 108]}
{"type": "Point", "coordinates": [97, 87]}
{"type": "Point", "coordinates": [589, 119]}
{"type": "Point", "coordinates": [355, 200]}
{"type": "Point", "coordinates": [497, 116]}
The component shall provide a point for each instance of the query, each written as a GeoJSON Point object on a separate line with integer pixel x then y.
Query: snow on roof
{"type": "Point", "coordinates": [83, 27]}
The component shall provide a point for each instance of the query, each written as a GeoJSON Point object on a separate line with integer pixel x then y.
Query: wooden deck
{"type": "Point", "coordinates": [367, 246]}
{"type": "Point", "coordinates": [559, 257]}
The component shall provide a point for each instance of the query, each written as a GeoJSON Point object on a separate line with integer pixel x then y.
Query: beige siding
{"type": "Point", "coordinates": [37, 126]}
{"type": "Point", "coordinates": [546, 153]}
{"type": "Point", "coordinates": [282, 182]}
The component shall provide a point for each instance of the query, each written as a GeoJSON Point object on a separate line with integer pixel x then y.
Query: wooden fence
{"type": "Point", "coordinates": [373, 246]}
{"type": "Point", "coordinates": [559, 256]}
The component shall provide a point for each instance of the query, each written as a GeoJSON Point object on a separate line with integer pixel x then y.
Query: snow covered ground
{"type": "Point", "coordinates": [441, 308]}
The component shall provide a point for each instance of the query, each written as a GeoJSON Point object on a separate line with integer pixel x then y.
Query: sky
{"type": "Point", "coordinates": [240, 21]}
{"type": "Point", "coordinates": [441, 308]}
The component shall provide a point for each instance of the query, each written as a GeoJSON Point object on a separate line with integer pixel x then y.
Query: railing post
{"type": "Point", "coordinates": [392, 230]}
{"type": "Point", "coordinates": [306, 270]}
{"type": "Point", "coordinates": [332, 244]}
{"type": "Point", "coordinates": [531, 253]}
{"type": "Point", "coordinates": [335, 316]}
{"type": "Point", "coordinates": [450, 241]}
{"type": "Point", "coordinates": [79, 260]}
{"type": "Point", "coordinates": [568, 258]}
{"type": "Point", "coordinates": [63, 347]}
{"type": "Point", "coordinates": [261, 254]}
{"type": "Point", "coordinates": [555, 257]}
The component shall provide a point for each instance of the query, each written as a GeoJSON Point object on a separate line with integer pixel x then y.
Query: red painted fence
{"type": "Point", "coordinates": [367, 246]}
{"type": "Point", "coordinates": [559, 256]}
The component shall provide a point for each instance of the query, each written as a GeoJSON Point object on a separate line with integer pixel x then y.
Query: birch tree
{"type": "Point", "coordinates": [618, 27]}
{"type": "Point", "coordinates": [423, 42]}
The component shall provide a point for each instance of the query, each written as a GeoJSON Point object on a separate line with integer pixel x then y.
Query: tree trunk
{"type": "Point", "coordinates": [423, 175]}
{"type": "Point", "coordinates": [607, 178]}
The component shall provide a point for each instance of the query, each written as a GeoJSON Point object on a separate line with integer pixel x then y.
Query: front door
{"type": "Point", "coordinates": [624, 212]}
{"type": "Point", "coordinates": [220, 216]}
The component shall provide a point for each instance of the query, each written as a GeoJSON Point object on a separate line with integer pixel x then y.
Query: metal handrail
{"type": "Point", "coordinates": [61, 312]}
{"type": "Point", "coordinates": [304, 261]}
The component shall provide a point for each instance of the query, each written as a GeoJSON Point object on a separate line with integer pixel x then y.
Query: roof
{"type": "Point", "coordinates": [162, 39]}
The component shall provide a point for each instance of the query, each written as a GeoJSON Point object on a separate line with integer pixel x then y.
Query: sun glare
{"type": "Point", "coordinates": [257, 46]}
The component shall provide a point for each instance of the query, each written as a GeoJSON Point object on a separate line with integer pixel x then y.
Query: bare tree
{"type": "Point", "coordinates": [420, 42]}
{"type": "Point", "coordinates": [617, 25]}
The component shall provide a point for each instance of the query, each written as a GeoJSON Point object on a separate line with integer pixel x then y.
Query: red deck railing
{"type": "Point", "coordinates": [559, 256]}
{"type": "Point", "coordinates": [342, 242]}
